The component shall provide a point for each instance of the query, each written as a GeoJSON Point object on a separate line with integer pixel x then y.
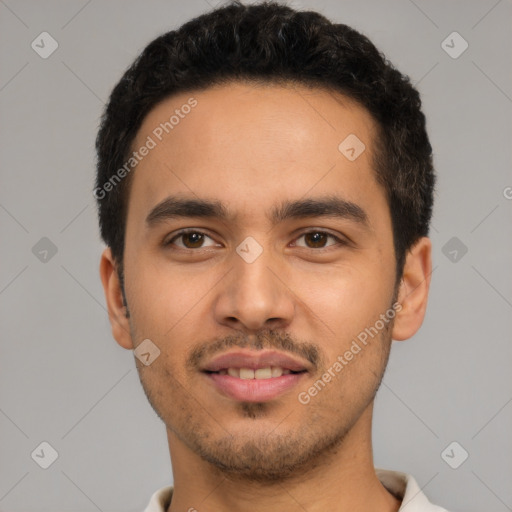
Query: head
{"type": "Point", "coordinates": [297, 159]}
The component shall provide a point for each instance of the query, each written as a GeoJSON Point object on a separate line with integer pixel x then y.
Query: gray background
{"type": "Point", "coordinates": [63, 378]}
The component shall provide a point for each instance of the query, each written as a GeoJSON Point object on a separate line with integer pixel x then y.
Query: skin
{"type": "Point", "coordinates": [252, 147]}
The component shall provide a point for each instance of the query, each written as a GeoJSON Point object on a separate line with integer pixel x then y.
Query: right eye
{"type": "Point", "coordinates": [191, 239]}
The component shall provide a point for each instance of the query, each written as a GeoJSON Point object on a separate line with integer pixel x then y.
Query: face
{"type": "Point", "coordinates": [259, 261]}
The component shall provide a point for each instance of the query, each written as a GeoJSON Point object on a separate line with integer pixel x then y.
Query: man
{"type": "Point", "coordinates": [265, 187]}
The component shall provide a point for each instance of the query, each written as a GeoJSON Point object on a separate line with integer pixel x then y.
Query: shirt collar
{"type": "Point", "coordinates": [405, 488]}
{"type": "Point", "coordinates": [401, 485]}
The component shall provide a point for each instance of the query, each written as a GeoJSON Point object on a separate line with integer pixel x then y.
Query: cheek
{"type": "Point", "coordinates": [171, 307]}
{"type": "Point", "coordinates": [347, 298]}
{"type": "Point", "coordinates": [162, 295]}
{"type": "Point", "coordinates": [344, 390]}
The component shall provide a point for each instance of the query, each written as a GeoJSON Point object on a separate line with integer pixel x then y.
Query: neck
{"type": "Point", "coordinates": [342, 480]}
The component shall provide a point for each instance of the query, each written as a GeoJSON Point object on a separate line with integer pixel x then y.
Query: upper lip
{"type": "Point", "coordinates": [254, 360]}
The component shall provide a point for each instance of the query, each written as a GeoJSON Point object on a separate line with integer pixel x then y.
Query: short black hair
{"type": "Point", "coordinates": [273, 43]}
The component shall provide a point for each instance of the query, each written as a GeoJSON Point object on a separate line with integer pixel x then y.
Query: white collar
{"type": "Point", "coordinates": [402, 485]}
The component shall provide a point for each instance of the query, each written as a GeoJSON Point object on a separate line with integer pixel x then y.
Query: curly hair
{"type": "Point", "coordinates": [273, 43]}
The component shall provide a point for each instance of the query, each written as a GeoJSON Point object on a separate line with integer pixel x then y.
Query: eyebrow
{"type": "Point", "coordinates": [174, 207]}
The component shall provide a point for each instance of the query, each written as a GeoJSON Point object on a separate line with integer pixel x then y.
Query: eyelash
{"type": "Point", "coordinates": [338, 240]}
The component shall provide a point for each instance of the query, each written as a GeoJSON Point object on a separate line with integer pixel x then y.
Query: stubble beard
{"type": "Point", "coordinates": [269, 457]}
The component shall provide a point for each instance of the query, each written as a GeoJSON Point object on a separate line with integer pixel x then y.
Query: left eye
{"type": "Point", "coordinates": [318, 239]}
{"type": "Point", "coordinates": [195, 240]}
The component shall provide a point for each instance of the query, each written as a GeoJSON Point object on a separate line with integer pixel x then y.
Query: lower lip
{"type": "Point", "coordinates": [254, 390]}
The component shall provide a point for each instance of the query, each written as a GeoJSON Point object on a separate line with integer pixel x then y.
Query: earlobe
{"type": "Point", "coordinates": [414, 288]}
{"type": "Point", "coordinates": [117, 312]}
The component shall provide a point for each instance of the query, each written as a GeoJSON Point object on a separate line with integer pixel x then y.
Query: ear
{"type": "Point", "coordinates": [413, 291]}
{"type": "Point", "coordinates": [116, 310]}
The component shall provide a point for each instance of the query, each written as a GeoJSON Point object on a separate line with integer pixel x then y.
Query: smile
{"type": "Point", "coordinates": [268, 372]}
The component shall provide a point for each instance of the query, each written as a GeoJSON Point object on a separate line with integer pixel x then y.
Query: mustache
{"type": "Point", "coordinates": [265, 339]}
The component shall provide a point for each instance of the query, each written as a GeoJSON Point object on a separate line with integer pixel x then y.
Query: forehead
{"type": "Point", "coordinates": [247, 144]}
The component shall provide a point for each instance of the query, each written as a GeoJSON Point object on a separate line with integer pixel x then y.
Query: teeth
{"type": "Point", "coordinates": [246, 373]}
{"type": "Point", "coordinates": [277, 371]}
{"type": "Point", "coordinates": [261, 373]}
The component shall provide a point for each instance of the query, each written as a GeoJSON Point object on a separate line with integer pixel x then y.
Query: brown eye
{"type": "Point", "coordinates": [315, 239]}
{"type": "Point", "coordinates": [318, 239]}
{"type": "Point", "coordinates": [190, 240]}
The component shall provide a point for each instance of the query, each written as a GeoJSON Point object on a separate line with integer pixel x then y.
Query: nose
{"type": "Point", "coordinates": [254, 296]}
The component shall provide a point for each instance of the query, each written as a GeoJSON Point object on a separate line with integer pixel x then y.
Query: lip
{"type": "Point", "coordinates": [254, 390]}
{"type": "Point", "coordinates": [255, 360]}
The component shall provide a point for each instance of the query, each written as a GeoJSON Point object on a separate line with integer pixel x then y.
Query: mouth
{"type": "Point", "coordinates": [267, 372]}
{"type": "Point", "coordinates": [254, 376]}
